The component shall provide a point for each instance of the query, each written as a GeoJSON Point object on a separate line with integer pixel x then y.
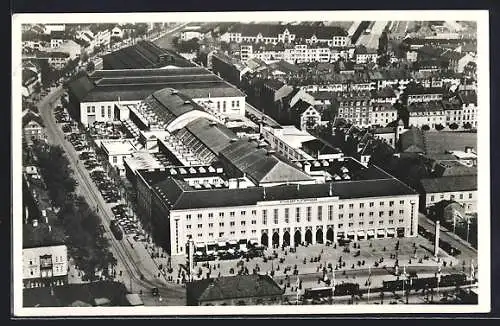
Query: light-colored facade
{"type": "Point", "coordinates": [362, 58]}
{"type": "Point", "coordinates": [419, 118]}
{"type": "Point", "coordinates": [468, 199]}
{"type": "Point", "coordinates": [287, 141]}
{"type": "Point", "coordinates": [382, 114]}
{"type": "Point", "coordinates": [116, 151]}
{"type": "Point", "coordinates": [314, 220]}
{"type": "Point", "coordinates": [424, 97]}
{"type": "Point", "coordinates": [286, 36]}
{"type": "Point", "coordinates": [45, 265]}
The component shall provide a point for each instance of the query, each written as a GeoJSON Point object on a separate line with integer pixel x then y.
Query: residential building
{"type": "Point", "coordinates": [70, 47]}
{"type": "Point", "coordinates": [31, 78]}
{"type": "Point", "coordinates": [49, 28]}
{"type": "Point", "coordinates": [418, 94]}
{"type": "Point", "coordinates": [254, 289]}
{"type": "Point", "coordinates": [363, 55]}
{"type": "Point", "coordinates": [191, 32]}
{"type": "Point", "coordinates": [274, 33]}
{"type": "Point", "coordinates": [462, 189]}
{"type": "Point", "coordinates": [384, 96]}
{"type": "Point", "coordinates": [228, 68]}
{"type": "Point", "coordinates": [381, 114]}
{"type": "Point", "coordinates": [412, 141]}
{"type": "Point", "coordinates": [117, 32]}
{"type": "Point", "coordinates": [45, 256]}
{"type": "Point", "coordinates": [305, 115]}
{"type": "Point", "coordinates": [355, 107]}
{"type": "Point", "coordinates": [33, 127]}
{"type": "Point", "coordinates": [57, 38]}
{"type": "Point", "coordinates": [429, 113]}
{"type": "Point", "coordinates": [102, 38]}
{"type": "Point", "coordinates": [468, 99]}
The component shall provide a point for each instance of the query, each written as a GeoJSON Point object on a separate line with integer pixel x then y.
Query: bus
{"type": "Point", "coordinates": [116, 230]}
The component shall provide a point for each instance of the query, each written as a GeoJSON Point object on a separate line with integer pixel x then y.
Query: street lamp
{"type": "Point", "coordinates": [468, 227]}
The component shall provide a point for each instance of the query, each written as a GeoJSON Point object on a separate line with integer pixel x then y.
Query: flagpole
{"type": "Point", "coordinates": [369, 282]}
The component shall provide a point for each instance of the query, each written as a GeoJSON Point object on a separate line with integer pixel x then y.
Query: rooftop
{"type": "Point", "coordinates": [137, 84]}
{"type": "Point", "coordinates": [143, 54]}
{"type": "Point", "coordinates": [260, 165]}
{"type": "Point", "coordinates": [413, 141]}
{"type": "Point", "coordinates": [232, 287]}
{"type": "Point", "coordinates": [41, 236]}
{"type": "Point", "coordinates": [118, 147]}
{"type": "Point", "coordinates": [450, 184]}
{"type": "Point", "coordinates": [181, 197]}
{"type": "Point", "coordinates": [300, 31]}
{"type": "Point", "coordinates": [29, 116]}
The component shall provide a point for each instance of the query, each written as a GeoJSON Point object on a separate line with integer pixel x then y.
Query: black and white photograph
{"type": "Point", "coordinates": [281, 162]}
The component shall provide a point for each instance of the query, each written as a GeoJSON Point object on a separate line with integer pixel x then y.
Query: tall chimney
{"type": "Point", "coordinates": [436, 240]}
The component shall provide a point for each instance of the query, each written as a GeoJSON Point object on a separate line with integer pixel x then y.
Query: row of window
{"type": "Point", "coordinates": [452, 197]}
{"type": "Point", "coordinates": [298, 212]}
{"type": "Point", "coordinates": [253, 231]}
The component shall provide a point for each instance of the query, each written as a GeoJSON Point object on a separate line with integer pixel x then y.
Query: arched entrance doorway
{"type": "Point", "coordinates": [297, 238]}
{"type": "Point", "coordinates": [319, 236]}
{"type": "Point", "coordinates": [286, 238]}
{"type": "Point", "coordinates": [329, 234]}
{"type": "Point", "coordinates": [264, 240]}
{"type": "Point", "coordinates": [276, 239]}
{"type": "Point", "coordinates": [308, 237]}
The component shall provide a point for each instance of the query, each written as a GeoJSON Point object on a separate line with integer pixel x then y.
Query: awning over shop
{"type": "Point", "coordinates": [254, 241]}
{"type": "Point", "coordinates": [381, 232]}
{"type": "Point", "coordinates": [340, 234]}
{"type": "Point", "coordinates": [361, 233]}
{"type": "Point", "coordinates": [233, 242]}
{"type": "Point", "coordinates": [221, 244]}
{"type": "Point", "coordinates": [370, 233]}
{"type": "Point", "coordinates": [350, 233]}
{"type": "Point", "coordinates": [390, 231]}
{"type": "Point", "coordinates": [200, 245]}
{"type": "Point", "coordinates": [198, 253]}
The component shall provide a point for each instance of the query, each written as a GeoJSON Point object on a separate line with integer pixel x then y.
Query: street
{"type": "Point", "coordinates": [133, 265]}
{"type": "Point", "coordinates": [370, 40]}
{"type": "Point", "coordinates": [467, 251]}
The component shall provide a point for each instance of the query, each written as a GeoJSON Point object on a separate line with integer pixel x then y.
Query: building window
{"type": "Point", "coordinates": [200, 226]}
{"type": "Point", "coordinates": [254, 212]}
{"type": "Point", "coordinates": [351, 215]}
{"type": "Point", "coordinates": [330, 212]}
{"type": "Point", "coordinates": [370, 222]}
{"type": "Point", "coordinates": [221, 214]}
{"type": "Point", "coordinates": [297, 214]}
{"type": "Point", "coordinates": [391, 213]}
{"type": "Point", "coordinates": [231, 214]}
{"type": "Point", "coordinates": [275, 213]}
{"type": "Point", "coordinates": [341, 206]}
{"type": "Point", "coordinates": [308, 213]}
{"type": "Point", "coordinates": [432, 198]}
{"type": "Point", "coordinates": [361, 215]}
{"type": "Point", "coordinates": [221, 224]}
{"type": "Point", "coordinates": [243, 213]}
{"type": "Point", "coordinates": [287, 216]}
{"type": "Point", "coordinates": [351, 224]}
{"type": "Point", "coordinates": [232, 223]}
{"type": "Point", "coordinates": [210, 215]}
{"type": "Point", "coordinates": [351, 206]}
{"type": "Point", "coordinates": [340, 225]}
{"type": "Point", "coordinates": [381, 203]}
{"type": "Point", "coordinates": [264, 216]}
{"type": "Point", "coordinates": [401, 220]}
{"type": "Point", "coordinates": [361, 223]}
{"type": "Point", "coordinates": [380, 222]}
{"type": "Point", "coordinates": [470, 195]}
{"type": "Point", "coordinates": [380, 214]}
{"type": "Point", "coordinates": [188, 217]}
{"type": "Point", "coordinates": [391, 221]}
{"type": "Point", "coordinates": [115, 159]}
{"type": "Point", "coordinates": [461, 196]}
{"type": "Point", "coordinates": [401, 202]}
{"type": "Point", "coordinates": [210, 225]}
{"type": "Point", "coordinates": [253, 222]}
{"type": "Point", "coordinates": [391, 203]}
{"type": "Point", "coordinates": [199, 216]}
{"type": "Point", "coordinates": [371, 204]}
{"type": "Point", "coordinates": [188, 227]}
{"type": "Point", "coordinates": [243, 231]}
{"type": "Point", "coordinates": [221, 234]}
{"type": "Point", "coordinates": [320, 213]}
{"type": "Point", "coordinates": [361, 205]}
{"type": "Point", "coordinates": [232, 104]}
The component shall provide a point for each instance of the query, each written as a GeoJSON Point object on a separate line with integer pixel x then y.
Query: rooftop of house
{"type": "Point", "coordinates": [292, 136]}
{"type": "Point", "coordinates": [300, 30]}
{"type": "Point", "coordinates": [413, 141]}
{"type": "Point", "coordinates": [468, 97]}
{"type": "Point", "coordinates": [29, 116]}
{"type": "Point", "coordinates": [450, 184]}
{"type": "Point", "coordinates": [431, 106]}
{"type": "Point", "coordinates": [42, 235]}
{"type": "Point", "coordinates": [233, 287]}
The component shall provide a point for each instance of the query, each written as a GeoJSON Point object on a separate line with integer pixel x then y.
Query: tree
{"type": "Point", "coordinates": [90, 66]}
{"type": "Point", "coordinates": [453, 126]}
{"type": "Point", "coordinates": [439, 127]}
{"type": "Point", "coordinates": [84, 57]}
{"type": "Point", "coordinates": [383, 42]}
{"type": "Point", "coordinates": [426, 128]}
{"type": "Point", "coordinates": [467, 125]}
